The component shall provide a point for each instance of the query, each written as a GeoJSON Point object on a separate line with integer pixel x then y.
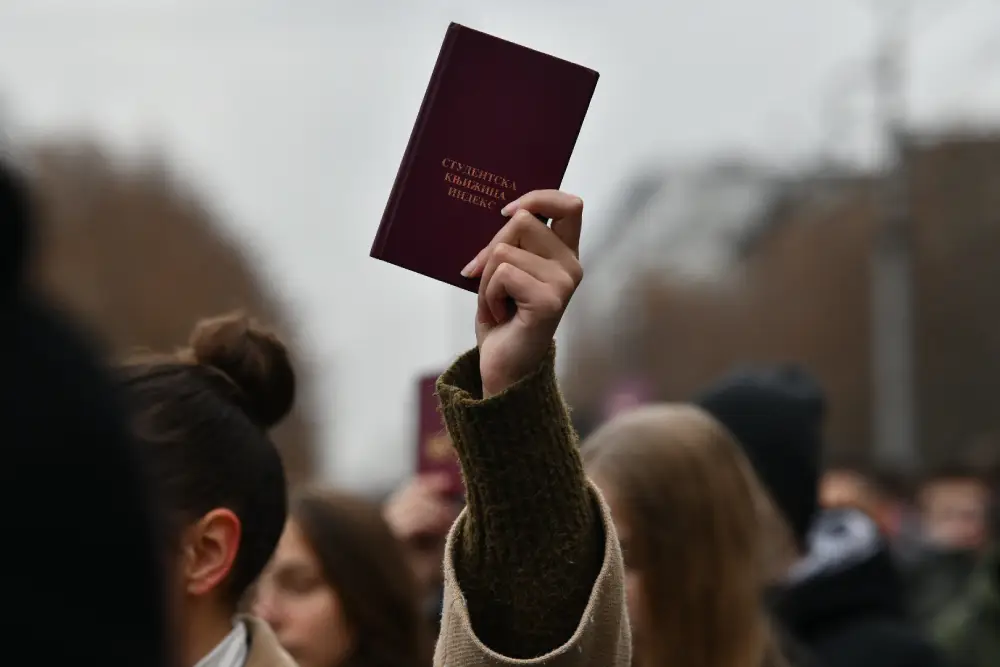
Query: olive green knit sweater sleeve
{"type": "Point", "coordinates": [532, 545]}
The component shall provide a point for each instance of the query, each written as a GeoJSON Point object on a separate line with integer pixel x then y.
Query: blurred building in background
{"type": "Point", "coordinates": [131, 250]}
{"type": "Point", "coordinates": [681, 221]}
{"type": "Point", "coordinates": [712, 268]}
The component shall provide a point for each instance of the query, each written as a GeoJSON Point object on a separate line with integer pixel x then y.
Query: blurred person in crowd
{"type": "Point", "coordinates": [83, 578]}
{"type": "Point", "coordinates": [420, 513]}
{"type": "Point", "coordinates": [899, 517]}
{"type": "Point", "coordinates": [698, 535]}
{"type": "Point", "coordinates": [969, 629]}
{"type": "Point", "coordinates": [843, 598]}
{"type": "Point", "coordinates": [846, 484]}
{"type": "Point", "coordinates": [339, 591]}
{"type": "Point", "coordinates": [849, 483]}
{"type": "Point", "coordinates": [883, 495]}
{"type": "Point", "coordinates": [201, 416]}
{"type": "Point", "coordinates": [954, 503]}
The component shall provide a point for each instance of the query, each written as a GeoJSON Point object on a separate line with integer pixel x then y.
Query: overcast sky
{"type": "Point", "coordinates": [291, 117]}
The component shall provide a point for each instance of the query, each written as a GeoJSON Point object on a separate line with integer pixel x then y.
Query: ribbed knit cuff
{"type": "Point", "coordinates": [531, 546]}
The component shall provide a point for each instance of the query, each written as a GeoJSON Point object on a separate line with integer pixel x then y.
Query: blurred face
{"type": "Point", "coordinates": [841, 488]}
{"type": "Point", "coordinates": [848, 489]}
{"type": "Point", "coordinates": [633, 580]}
{"type": "Point", "coordinates": [954, 513]}
{"type": "Point", "coordinates": [304, 611]}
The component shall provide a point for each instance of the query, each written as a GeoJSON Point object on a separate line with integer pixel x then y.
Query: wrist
{"type": "Point", "coordinates": [492, 382]}
{"type": "Point", "coordinates": [489, 391]}
{"type": "Point", "coordinates": [495, 383]}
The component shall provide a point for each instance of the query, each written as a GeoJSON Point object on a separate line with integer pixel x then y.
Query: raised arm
{"type": "Point", "coordinates": [533, 570]}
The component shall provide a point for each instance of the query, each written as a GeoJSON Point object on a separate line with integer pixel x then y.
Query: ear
{"type": "Point", "coordinates": [210, 548]}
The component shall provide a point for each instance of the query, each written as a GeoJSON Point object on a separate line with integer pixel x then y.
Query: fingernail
{"type": "Point", "coordinates": [509, 209]}
{"type": "Point", "coordinates": [467, 271]}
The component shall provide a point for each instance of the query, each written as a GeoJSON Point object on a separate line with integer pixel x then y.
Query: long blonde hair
{"type": "Point", "coordinates": [703, 535]}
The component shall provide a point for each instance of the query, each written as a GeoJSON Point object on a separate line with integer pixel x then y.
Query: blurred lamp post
{"type": "Point", "coordinates": [892, 335]}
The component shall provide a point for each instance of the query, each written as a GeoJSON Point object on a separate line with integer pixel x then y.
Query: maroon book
{"type": "Point", "coordinates": [435, 452]}
{"type": "Point", "coordinates": [497, 120]}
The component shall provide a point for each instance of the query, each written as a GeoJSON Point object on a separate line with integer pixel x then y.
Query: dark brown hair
{"type": "Point", "coordinates": [365, 564]}
{"type": "Point", "coordinates": [201, 418]}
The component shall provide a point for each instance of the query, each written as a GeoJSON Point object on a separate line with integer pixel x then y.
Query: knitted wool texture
{"type": "Point", "coordinates": [526, 574]}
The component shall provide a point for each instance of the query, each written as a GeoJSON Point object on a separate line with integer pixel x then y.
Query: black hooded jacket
{"type": "Point", "coordinates": [844, 601]}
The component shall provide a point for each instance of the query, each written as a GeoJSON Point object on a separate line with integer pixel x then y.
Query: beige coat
{"type": "Point", "coordinates": [602, 638]}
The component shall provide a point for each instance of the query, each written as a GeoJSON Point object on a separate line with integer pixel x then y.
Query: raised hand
{"type": "Point", "coordinates": [529, 272]}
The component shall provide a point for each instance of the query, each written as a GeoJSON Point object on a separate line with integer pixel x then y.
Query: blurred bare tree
{"type": "Point", "coordinates": [140, 258]}
{"type": "Point", "coordinates": [801, 293]}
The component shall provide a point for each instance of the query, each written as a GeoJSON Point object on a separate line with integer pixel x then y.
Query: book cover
{"type": "Point", "coordinates": [497, 120]}
{"type": "Point", "coordinates": [435, 452]}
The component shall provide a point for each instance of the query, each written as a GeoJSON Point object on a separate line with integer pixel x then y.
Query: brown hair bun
{"type": "Point", "coordinates": [253, 359]}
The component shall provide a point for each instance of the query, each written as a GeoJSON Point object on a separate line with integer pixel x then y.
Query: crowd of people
{"type": "Point", "coordinates": [697, 534]}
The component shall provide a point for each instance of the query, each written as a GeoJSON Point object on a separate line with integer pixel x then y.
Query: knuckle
{"type": "Point", "coordinates": [552, 302]}
{"type": "Point", "coordinates": [566, 286]}
{"type": "Point", "coordinates": [503, 271]}
{"type": "Point", "coordinates": [521, 218]}
{"type": "Point", "coordinates": [503, 252]}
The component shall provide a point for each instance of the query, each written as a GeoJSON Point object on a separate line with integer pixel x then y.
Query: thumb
{"type": "Point", "coordinates": [484, 325]}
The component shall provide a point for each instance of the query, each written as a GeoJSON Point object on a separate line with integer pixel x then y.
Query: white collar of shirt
{"type": "Point", "coordinates": [230, 652]}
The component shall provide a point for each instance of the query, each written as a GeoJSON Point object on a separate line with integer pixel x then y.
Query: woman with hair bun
{"type": "Point", "coordinates": [201, 417]}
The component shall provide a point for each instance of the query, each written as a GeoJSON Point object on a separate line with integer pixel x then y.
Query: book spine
{"type": "Point", "coordinates": [385, 226]}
